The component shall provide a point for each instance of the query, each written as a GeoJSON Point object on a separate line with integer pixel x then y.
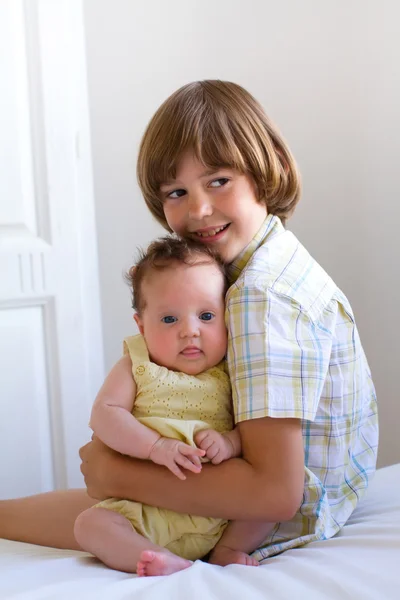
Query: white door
{"type": "Point", "coordinates": [51, 356]}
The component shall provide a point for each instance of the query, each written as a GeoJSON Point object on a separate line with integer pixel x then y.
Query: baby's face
{"type": "Point", "coordinates": [183, 321]}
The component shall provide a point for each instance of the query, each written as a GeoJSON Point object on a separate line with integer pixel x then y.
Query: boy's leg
{"type": "Point", "coordinates": [110, 536]}
{"type": "Point", "coordinates": [45, 519]}
{"type": "Point", "coordinates": [238, 540]}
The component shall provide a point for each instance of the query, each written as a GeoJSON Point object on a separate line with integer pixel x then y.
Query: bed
{"type": "Point", "coordinates": [362, 562]}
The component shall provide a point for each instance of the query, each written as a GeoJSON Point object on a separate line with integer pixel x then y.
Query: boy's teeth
{"type": "Point", "coordinates": [210, 232]}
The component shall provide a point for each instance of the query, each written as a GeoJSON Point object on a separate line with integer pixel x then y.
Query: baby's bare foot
{"type": "Point", "coordinates": [160, 563]}
{"type": "Point", "coordinates": [223, 556]}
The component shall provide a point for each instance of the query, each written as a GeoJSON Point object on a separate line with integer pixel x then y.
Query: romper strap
{"type": "Point", "coordinates": [135, 346]}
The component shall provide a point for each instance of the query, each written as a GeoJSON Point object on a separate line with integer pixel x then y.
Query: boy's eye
{"type": "Point", "coordinates": [219, 182]}
{"type": "Point", "coordinates": [206, 316]}
{"type": "Point", "coordinates": [169, 319]}
{"type": "Point", "coordinates": [176, 194]}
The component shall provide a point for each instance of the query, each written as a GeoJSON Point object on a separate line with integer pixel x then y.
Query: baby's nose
{"type": "Point", "coordinates": [190, 328]}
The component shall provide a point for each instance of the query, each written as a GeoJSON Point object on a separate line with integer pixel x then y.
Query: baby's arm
{"type": "Point", "coordinates": [113, 422]}
{"type": "Point", "coordinates": [111, 418]}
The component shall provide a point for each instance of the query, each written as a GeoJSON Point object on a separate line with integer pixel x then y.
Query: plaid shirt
{"type": "Point", "coordinates": [294, 351]}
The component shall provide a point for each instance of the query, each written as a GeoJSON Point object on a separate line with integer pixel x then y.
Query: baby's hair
{"type": "Point", "coordinates": [164, 253]}
{"type": "Point", "coordinates": [225, 127]}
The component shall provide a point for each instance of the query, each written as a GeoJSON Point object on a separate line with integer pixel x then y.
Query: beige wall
{"type": "Point", "coordinates": [328, 74]}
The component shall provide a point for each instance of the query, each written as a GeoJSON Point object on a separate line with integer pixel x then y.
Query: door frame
{"type": "Point", "coordinates": [62, 40]}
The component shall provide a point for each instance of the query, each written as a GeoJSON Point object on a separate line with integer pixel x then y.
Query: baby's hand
{"type": "Point", "coordinates": [217, 446]}
{"type": "Point", "coordinates": [174, 454]}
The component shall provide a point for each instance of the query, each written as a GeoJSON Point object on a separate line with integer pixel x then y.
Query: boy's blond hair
{"type": "Point", "coordinates": [165, 253]}
{"type": "Point", "coordinates": [225, 127]}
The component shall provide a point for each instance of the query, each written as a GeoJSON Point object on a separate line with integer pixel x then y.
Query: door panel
{"type": "Point", "coordinates": [51, 360]}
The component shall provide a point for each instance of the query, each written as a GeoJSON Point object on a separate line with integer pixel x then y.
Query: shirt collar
{"type": "Point", "coordinates": [271, 226]}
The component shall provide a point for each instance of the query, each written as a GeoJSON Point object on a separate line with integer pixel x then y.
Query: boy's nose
{"type": "Point", "coordinates": [200, 206]}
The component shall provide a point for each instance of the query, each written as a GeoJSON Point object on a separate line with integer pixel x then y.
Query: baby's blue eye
{"type": "Point", "coordinates": [206, 316]}
{"type": "Point", "coordinates": [169, 319]}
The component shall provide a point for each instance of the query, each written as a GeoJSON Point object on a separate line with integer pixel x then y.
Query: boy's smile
{"type": "Point", "coordinates": [214, 207]}
{"type": "Point", "coordinates": [211, 232]}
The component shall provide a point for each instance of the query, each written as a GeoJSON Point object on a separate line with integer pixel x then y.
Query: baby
{"type": "Point", "coordinates": [168, 400]}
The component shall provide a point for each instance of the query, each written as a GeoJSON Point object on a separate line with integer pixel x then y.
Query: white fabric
{"type": "Point", "coordinates": [362, 562]}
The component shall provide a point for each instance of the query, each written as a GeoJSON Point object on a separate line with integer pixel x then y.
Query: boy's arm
{"type": "Point", "coordinates": [239, 536]}
{"type": "Point", "coordinates": [265, 485]}
{"type": "Point", "coordinates": [111, 418]}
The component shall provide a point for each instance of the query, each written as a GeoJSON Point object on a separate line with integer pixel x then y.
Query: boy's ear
{"type": "Point", "coordinates": [139, 323]}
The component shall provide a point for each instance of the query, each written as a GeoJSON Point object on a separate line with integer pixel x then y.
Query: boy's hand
{"type": "Point", "coordinates": [174, 454]}
{"type": "Point", "coordinates": [217, 446]}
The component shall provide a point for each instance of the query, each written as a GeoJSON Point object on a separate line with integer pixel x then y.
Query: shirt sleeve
{"type": "Point", "coordinates": [278, 357]}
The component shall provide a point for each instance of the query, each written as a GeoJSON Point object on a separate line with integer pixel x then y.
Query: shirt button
{"type": "Point", "coordinates": [140, 370]}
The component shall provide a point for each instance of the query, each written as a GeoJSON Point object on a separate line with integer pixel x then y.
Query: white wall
{"type": "Point", "coordinates": [328, 74]}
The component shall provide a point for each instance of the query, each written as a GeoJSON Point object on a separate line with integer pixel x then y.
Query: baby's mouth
{"type": "Point", "coordinates": [191, 351]}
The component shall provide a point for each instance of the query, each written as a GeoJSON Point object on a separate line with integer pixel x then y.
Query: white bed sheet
{"type": "Point", "coordinates": [362, 562]}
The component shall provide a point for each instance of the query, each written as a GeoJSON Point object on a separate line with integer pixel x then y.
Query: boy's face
{"type": "Point", "coordinates": [183, 321]}
{"type": "Point", "coordinates": [218, 208]}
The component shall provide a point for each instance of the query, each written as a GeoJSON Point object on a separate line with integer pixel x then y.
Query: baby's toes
{"type": "Point", "coordinates": [251, 562]}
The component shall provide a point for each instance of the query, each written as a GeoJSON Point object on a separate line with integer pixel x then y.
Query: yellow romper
{"type": "Point", "coordinates": [177, 406]}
